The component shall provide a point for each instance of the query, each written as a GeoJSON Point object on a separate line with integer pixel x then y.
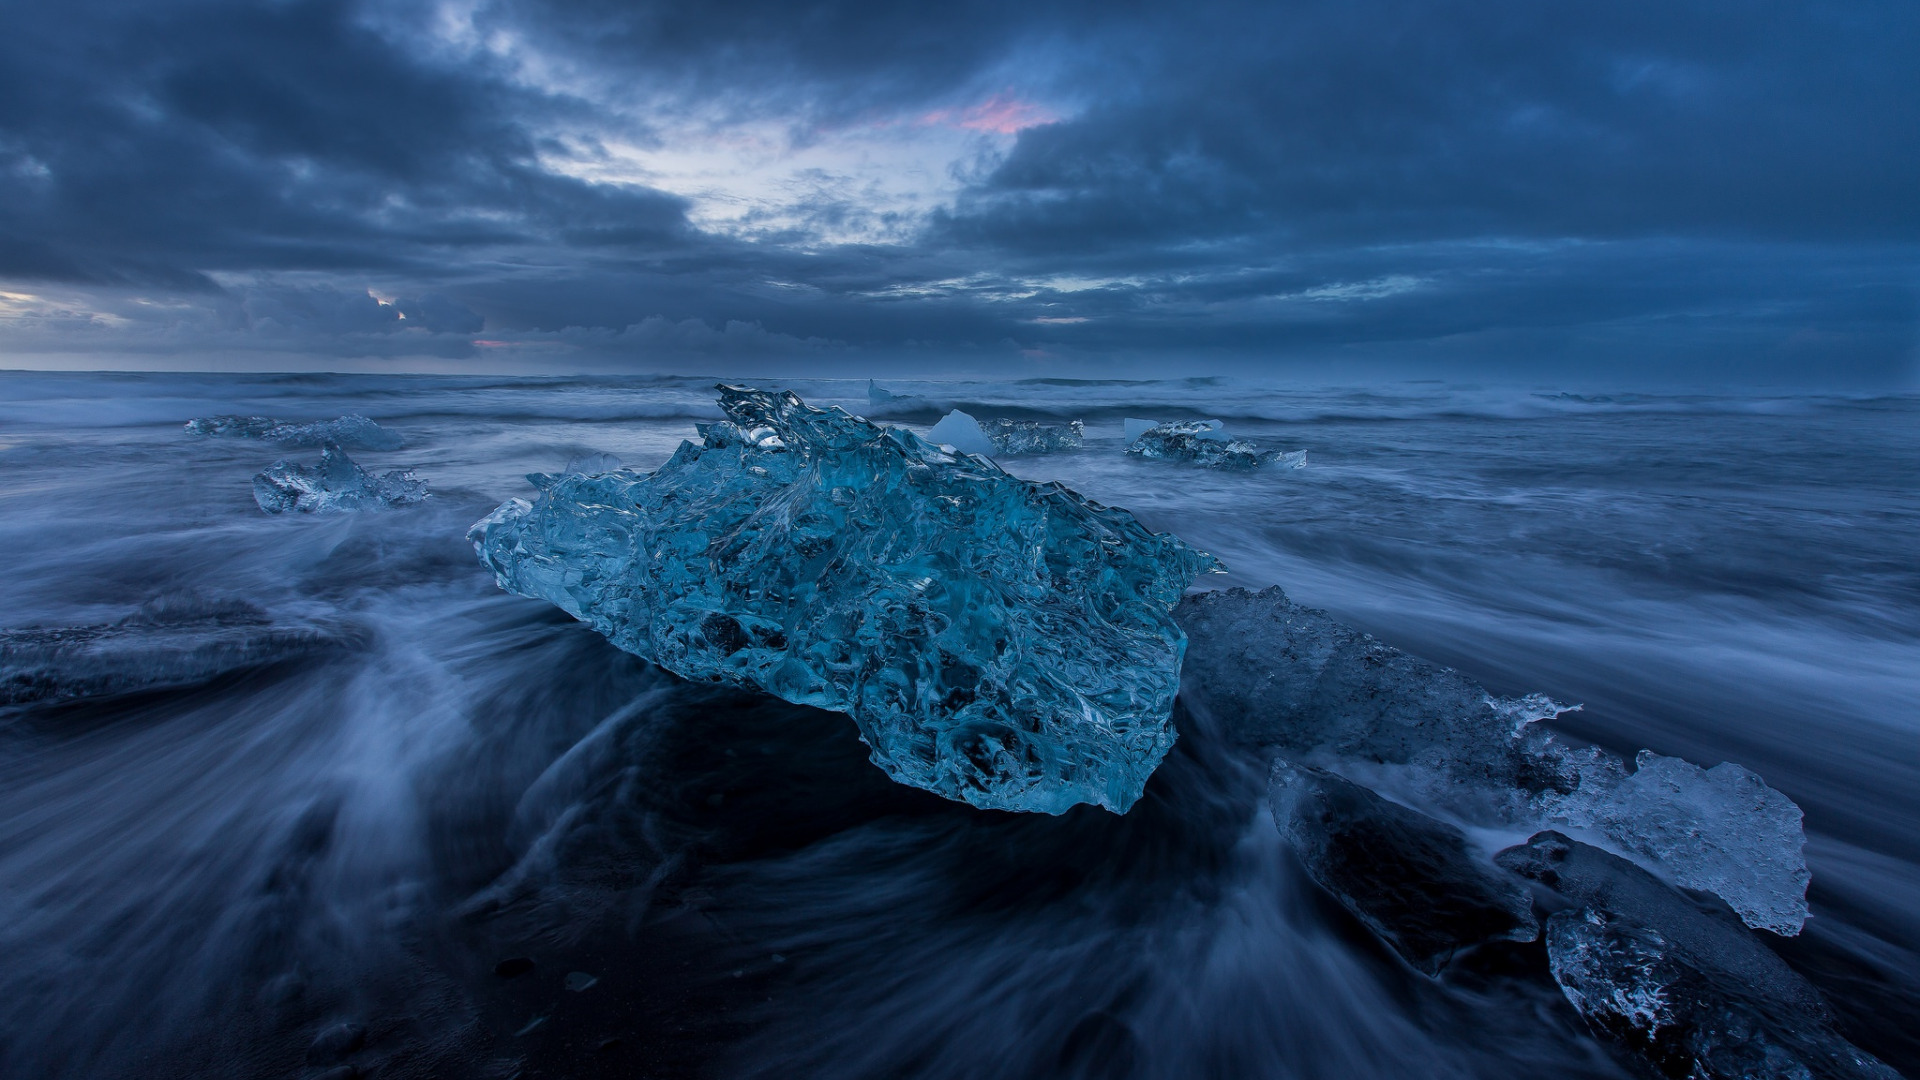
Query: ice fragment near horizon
{"type": "Point", "coordinates": [336, 484]}
{"type": "Point", "coordinates": [962, 432]}
{"type": "Point", "coordinates": [878, 394]}
{"type": "Point", "coordinates": [353, 431]}
{"type": "Point", "coordinates": [997, 641]}
{"type": "Point", "coordinates": [1280, 675]}
{"type": "Point", "coordinates": [1013, 437]}
{"type": "Point", "coordinates": [1206, 443]}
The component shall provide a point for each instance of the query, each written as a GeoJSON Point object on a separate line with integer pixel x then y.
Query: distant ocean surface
{"type": "Point", "coordinates": [424, 781]}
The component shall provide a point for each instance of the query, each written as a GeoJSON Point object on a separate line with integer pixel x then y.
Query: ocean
{"type": "Point", "coordinates": [408, 824]}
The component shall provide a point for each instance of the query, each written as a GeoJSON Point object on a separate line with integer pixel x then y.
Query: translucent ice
{"type": "Point", "coordinates": [1206, 443]}
{"type": "Point", "coordinates": [336, 484]}
{"type": "Point", "coordinates": [997, 641]}
{"type": "Point", "coordinates": [1682, 816]}
{"type": "Point", "coordinates": [1289, 677]}
{"type": "Point", "coordinates": [1012, 437]}
{"type": "Point", "coordinates": [877, 394]}
{"type": "Point", "coordinates": [353, 431]}
{"type": "Point", "coordinates": [1638, 992]}
{"type": "Point", "coordinates": [962, 432]}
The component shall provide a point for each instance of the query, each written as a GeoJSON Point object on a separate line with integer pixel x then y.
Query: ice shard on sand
{"type": "Point", "coordinates": [997, 641]}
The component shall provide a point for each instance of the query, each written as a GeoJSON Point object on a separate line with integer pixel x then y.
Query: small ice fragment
{"type": "Point", "coordinates": [1408, 878]}
{"type": "Point", "coordinates": [353, 431]}
{"type": "Point", "coordinates": [963, 433]}
{"type": "Point", "coordinates": [580, 980]}
{"type": "Point", "coordinates": [997, 641]}
{"type": "Point", "coordinates": [877, 394]}
{"type": "Point", "coordinates": [336, 484]}
{"type": "Point", "coordinates": [591, 464]}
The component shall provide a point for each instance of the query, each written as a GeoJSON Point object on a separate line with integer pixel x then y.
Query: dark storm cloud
{"type": "Point", "coordinates": [1666, 189]}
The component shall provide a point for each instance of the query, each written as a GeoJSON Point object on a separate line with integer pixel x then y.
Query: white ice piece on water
{"type": "Point", "coordinates": [962, 432]}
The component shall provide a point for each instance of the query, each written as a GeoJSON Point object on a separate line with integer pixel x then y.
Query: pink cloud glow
{"type": "Point", "coordinates": [1001, 114]}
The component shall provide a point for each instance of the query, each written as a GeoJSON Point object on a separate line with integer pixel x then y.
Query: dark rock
{"type": "Point", "coordinates": [513, 967]}
{"type": "Point", "coordinates": [1408, 878]}
{"type": "Point", "coordinates": [337, 1041]}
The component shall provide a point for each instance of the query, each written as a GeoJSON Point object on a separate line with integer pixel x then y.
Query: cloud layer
{"type": "Point", "coordinates": [1629, 190]}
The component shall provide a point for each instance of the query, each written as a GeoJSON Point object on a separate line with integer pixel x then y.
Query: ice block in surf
{"type": "Point", "coordinates": [1204, 443]}
{"type": "Point", "coordinates": [1275, 674]}
{"type": "Point", "coordinates": [335, 484]}
{"type": "Point", "coordinates": [996, 641]}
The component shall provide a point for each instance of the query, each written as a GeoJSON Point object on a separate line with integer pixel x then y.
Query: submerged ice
{"type": "Point", "coordinates": [1291, 678]}
{"type": "Point", "coordinates": [336, 484]}
{"type": "Point", "coordinates": [353, 431]}
{"type": "Point", "coordinates": [996, 641]}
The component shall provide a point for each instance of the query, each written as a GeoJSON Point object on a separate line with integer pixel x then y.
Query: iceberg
{"type": "Point", "coordinates": [1408, 878]}
{"type": "Point", "coordinates": [1205, 443]}
{"type": "Point", "coordinates": [1278, 675]}
{"type": "Point", "coordinates": [1660, 1006]}
{"type": "Point", "coordinates": [963, 433]}
{"type": "Point", "coordinates": [353, 431]}
{"type": "Point", "coordinates": [336, 484]}
{"type": "Point", "coordinates": [878, 394]}
{"type": "Point", "coordinates": [997, 641]}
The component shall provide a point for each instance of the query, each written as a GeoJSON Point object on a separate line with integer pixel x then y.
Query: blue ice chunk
{"type": "Point", "coordinates": [997, 641]}
{"type": "Point", "coordinates": [336, 484]}
{"type": "Point", "coordinates": [353, 431]}
{"type": "Point", "coordinates": [877, 394]}
{"type": "Point", "coordinates": [1206, 443]}
{"type": "Point", "coordinates": [962, 432]}
{"type": "Point", "coordinates": [1136, 427]}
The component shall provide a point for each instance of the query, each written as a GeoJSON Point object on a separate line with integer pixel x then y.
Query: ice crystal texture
{"type": "Point", "coordinates": [1641, 995]}
{"type": "Point", "coordinates": [996, 641]}
{"type": "Point", "coordinates": [353, 431]}
{"type": "Point", "coordinates": [1012, 437]}
{"type": "Point", "coordinates": [1205, 443]}
{"type": "Point", "coordinates": [1290, 677]}
{"type": "Point", "coordinates": [1004, 438]}
{"type": "Point", "coordinates": [172, 640]}
{"type": "Point", "coordinates": [336, 484]}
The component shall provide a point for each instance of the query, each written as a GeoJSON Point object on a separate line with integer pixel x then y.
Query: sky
{"type": "Point", "coordinates": [1718, 193]}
